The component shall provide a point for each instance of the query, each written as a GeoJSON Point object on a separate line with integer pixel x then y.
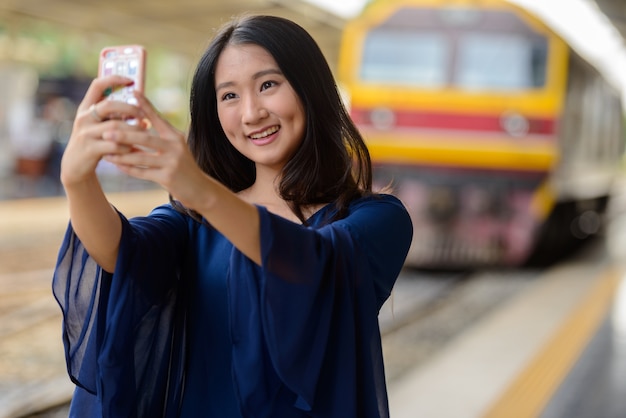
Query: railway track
{"type": "Point", "coordinates": [435, 323]}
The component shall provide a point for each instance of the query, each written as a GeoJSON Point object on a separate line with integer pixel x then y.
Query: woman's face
{"type": "Point", "coordinates": [258, 109]}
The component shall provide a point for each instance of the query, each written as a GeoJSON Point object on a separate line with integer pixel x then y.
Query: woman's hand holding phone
{"type": "Point", "coordinates": [86, 146]}
{"type": "Point", "coordinates": [148, 147]}
{"type": "Point", "coordinates": [108, 105]}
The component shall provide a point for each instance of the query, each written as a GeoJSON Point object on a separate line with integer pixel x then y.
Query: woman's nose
{"type": "Point", "coordinates": [253, 110]}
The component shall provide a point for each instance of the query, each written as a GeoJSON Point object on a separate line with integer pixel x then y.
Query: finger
{"type": "Point", "coordinates": [93, 136]}
{"type": "Point", "coordinates": [94, 114]}
{"type": "Point", "coordinates": [138, 172]}
{"type": "Point", "coordinates": [98, 86]}
{"type": "Point", "coordinates": [136, 158]}
{"type": "Point", "coordinates": [115, 109]}
{"type": "Point", "coordinates": [91, 152]}
{"type": "Point", "coordinates": [97, 131]}
{"type": "Point", "coordinates": [146, 105]}
{"type": "Point", "coordinates": [134, 137]}
{"type": "Point", "coordinates": [152, 114]}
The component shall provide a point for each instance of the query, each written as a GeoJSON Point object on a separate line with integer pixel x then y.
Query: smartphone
{"type": "Point", "coordinates": [128, 61]}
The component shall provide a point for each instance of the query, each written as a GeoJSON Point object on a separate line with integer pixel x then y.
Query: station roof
{"type": "Point", "coordinates": [185, 26]}
{"type": "Point", "coordinates": [182, 26]}
{"type": "Point", "coordinates": [615, 10]}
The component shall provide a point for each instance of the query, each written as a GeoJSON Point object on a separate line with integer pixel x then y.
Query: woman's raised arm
{"type": "Point", "coordinates": [93, 219]}
{"type": "Point", "coordinates": [163, 157]}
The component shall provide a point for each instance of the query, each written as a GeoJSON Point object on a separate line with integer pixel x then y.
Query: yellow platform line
{"type": "Point", "coordinates": [530, 392]}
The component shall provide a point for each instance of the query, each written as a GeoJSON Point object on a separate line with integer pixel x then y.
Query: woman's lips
{"type": "Point", "coordinates": [265, 136]}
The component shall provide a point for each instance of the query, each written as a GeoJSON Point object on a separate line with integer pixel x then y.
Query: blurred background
{"type": "Point", "coordinates": [49, 54]}
{"type": "Point", "coordinates": [499, 123]}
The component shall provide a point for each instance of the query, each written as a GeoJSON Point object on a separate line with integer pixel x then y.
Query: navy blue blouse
{"type": "Point", "coordinates": [189, 326]}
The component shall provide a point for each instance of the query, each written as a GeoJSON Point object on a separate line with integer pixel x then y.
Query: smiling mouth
{"type": "Point", "coordinates": [265, 133]}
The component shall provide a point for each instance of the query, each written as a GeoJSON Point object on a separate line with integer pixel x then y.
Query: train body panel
{"type": "Point", "coordinates": [469, 111]}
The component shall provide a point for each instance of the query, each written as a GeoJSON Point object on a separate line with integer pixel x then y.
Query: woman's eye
{"type": "Point", "coordinates": [267, 84]}
{"type": "Point", "coordinates": [228, 96]}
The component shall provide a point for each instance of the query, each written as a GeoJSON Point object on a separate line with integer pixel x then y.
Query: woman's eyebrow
{"type": "Point", "coordinates": [267, 72]}
{"type": "Point", "coordinates": [255, 76]}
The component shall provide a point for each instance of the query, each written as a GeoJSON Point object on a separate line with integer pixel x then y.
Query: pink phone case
{"type": "Point", "coordinates": [125, 60]}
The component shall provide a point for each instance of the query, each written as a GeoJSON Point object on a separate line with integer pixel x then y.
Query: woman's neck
{"type": "Point", "coordinates": [265, 192]}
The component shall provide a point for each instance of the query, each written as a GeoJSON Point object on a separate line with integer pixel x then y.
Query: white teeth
{"type": "Point", "coordinates": [265, 133]}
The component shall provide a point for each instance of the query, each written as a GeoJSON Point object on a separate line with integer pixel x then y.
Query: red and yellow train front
{"type": "Point", "coordinates": [459, 103]}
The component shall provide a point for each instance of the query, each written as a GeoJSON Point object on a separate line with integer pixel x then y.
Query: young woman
{"type": "Point", "coordinates": [255, 291]}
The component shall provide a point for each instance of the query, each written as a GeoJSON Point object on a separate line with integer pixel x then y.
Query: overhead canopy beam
{"type": "Point", "coordinates": [183, 26]}
{"type": "Point", "coordinates": [615, 10]}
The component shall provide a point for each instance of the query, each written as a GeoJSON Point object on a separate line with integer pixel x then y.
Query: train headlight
{"type": "Point", "coordinates": [514, 124]}
{"type": "Point", "coordinates": [383, 118]}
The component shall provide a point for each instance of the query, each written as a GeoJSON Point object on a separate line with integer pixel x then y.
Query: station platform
{"type": "Point", "coordinates": [556, 349]}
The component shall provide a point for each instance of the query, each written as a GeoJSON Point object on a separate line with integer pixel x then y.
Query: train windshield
{"type": "Point", "coordinates": [404, 57]}
{"type": "Point", "coordinates": [503, 62]}
{"type": "Point", "coordinates": [424, 48]}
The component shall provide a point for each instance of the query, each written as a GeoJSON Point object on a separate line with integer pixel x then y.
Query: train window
{"type": "Point", "coordinates": [500, 61]}
{"type": "Point", "coordinates": [405, 57]}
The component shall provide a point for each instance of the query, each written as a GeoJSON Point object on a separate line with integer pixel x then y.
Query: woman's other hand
{"type": "Point", "coordinates": [159, 153]}
{"type": "Point", "coordinates": [94, 117]}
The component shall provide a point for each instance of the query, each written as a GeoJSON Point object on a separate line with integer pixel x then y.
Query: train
{"type": "Point", "coordinates": [502, 140]}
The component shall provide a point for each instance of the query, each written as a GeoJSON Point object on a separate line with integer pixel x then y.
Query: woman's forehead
{"type": "Point", "coordinates": [238, 59]}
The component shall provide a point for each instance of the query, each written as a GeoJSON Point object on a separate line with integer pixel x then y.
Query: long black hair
{"type": "Point", "coordinates": [331, 165]}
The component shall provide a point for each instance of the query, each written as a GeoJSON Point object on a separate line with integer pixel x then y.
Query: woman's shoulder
{"type": "Point", "coordinates": [367, 205]}
{"type": "Point", "coordinates": [376, 209]}
{"type": "Point", "coordinates": [380, 224]}
{"type": "Point", "coordinates": [378, 202]}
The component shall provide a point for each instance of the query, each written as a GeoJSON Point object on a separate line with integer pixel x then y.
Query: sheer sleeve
{"type": "Point", "coordinates": [317, 298]}
{"type": "Point", "coordinates": [118, 328]}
